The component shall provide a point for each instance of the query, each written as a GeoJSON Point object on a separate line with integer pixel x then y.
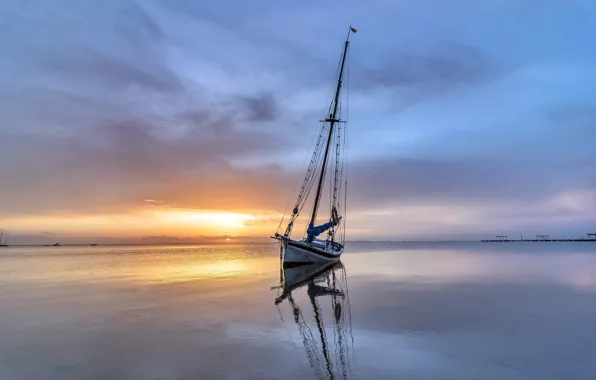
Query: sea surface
{"type": "Point", "coordinates": [391, 311]}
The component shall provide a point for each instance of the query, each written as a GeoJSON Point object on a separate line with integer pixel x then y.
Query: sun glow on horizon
{"type": "Point", "coordinates": [138, 223]}
{"type": "Point", "coordinates": [222, 219]}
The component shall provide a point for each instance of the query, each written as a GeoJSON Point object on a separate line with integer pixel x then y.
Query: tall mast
{"type": "Point", "coordinates": [332, 120]}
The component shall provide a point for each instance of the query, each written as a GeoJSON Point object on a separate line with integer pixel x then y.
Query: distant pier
{"type": "Point", "coordinates": [539, 238]}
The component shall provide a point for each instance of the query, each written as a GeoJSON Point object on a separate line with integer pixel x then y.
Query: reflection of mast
{"type": "Point", "coordinates": [339, 316]}
{"type": "Point", "coordinates": [320, 280]}
{"type": "Point", "coordinates": [307, 338]}
{"type": "Point", "coordinates": [315, 308]}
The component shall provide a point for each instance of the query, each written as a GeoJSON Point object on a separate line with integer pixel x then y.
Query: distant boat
{"type": "Point", "coordinates": [57, 245]}
{"type": "Point", "coordinates": [5, 244]}
{"type": "Point", "coordinates": [330, 142]}
{"type": "Point", "coordinates": [93, 245]}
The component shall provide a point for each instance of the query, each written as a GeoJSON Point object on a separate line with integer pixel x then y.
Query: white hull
{"type": "Point", "coordinates": [299, 252]}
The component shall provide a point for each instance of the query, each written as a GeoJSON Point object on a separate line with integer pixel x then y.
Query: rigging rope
{"type": "Point", "coordinates": [345, 156]}
{"type": "Point", "coordinates": [307, 182]}
{"type": "Point", "coordinates": [310, 145]}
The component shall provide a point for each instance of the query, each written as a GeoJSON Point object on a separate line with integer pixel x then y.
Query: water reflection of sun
{"type": "Point", "coordinates": [209, 270]}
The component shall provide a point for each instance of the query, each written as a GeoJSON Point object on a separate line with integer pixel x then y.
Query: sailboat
{"type": "Point", "coordinates": [328, 359]}
{"type": "Point", "coordinates": [331, 143]}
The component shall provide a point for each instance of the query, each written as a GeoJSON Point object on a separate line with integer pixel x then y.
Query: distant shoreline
{"type": "Point", "coordinates": [95, 245]}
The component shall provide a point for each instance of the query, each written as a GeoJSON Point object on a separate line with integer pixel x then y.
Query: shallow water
{"type": "Point", "coordinates": [406, 311]}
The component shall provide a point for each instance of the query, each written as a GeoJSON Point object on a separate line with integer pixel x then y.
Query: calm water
{"type": "Point", "coordinates": [394, 311]}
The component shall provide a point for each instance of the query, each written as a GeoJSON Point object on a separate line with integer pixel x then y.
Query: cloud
{"type": "Point", "coordinates": [448, 66]}
{"type": "Point", "coordinates": [113, 72]}
{"type": "Point", "coordinates": [260, 108]}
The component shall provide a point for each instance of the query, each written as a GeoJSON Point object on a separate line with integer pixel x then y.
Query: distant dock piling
{"type": "Point", "coordinates": [539, 238]}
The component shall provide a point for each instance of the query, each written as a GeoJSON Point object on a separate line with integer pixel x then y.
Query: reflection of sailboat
{"type": "Point", "coordinates": [329, 360]}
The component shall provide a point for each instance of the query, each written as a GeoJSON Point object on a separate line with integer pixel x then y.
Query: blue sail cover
{"type": "Point", "coordinates": [313, 231]}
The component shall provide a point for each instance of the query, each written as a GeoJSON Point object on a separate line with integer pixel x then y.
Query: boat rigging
{"type": "Point", "coordinates": [333, 137]}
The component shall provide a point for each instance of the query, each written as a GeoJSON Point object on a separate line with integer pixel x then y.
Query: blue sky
{"type": "Point", "coordinates": [468, 119]}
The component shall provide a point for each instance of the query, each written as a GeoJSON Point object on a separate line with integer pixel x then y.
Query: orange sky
{"type": "Point", "coordinates": [184, 223]}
